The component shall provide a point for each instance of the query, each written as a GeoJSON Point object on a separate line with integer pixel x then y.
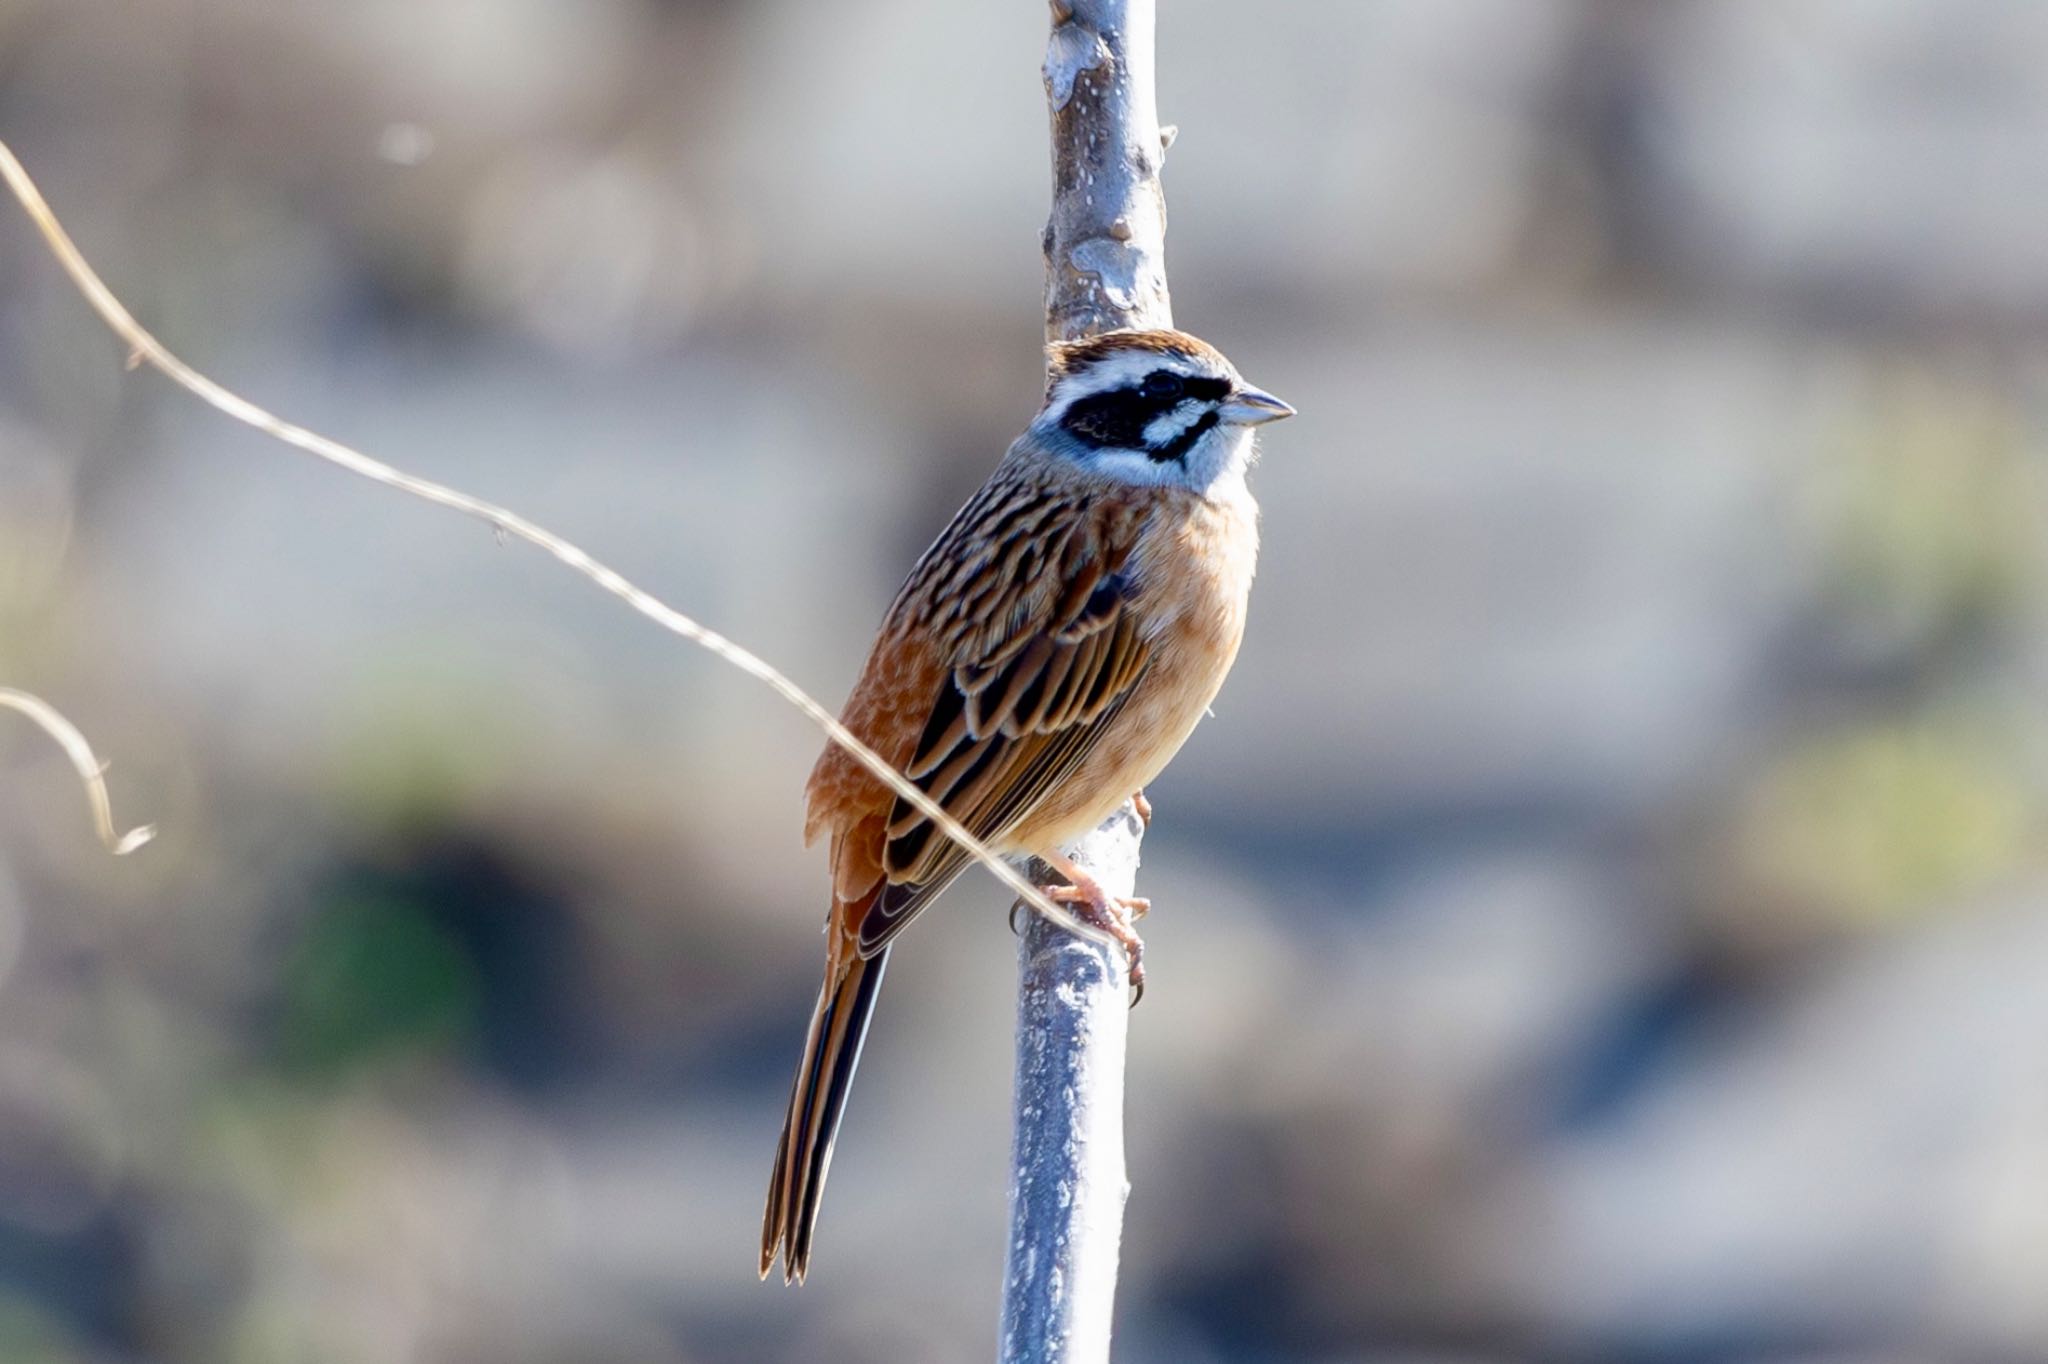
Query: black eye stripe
{"type": "Point", "coordinates": [1119, 417]}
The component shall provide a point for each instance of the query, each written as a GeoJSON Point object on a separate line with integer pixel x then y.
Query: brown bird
{"type": "Point", "coordinates": [1046, 658]}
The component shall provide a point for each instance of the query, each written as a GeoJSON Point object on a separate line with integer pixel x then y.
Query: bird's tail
{"type": "Point", "coordinates": [817, 1102]}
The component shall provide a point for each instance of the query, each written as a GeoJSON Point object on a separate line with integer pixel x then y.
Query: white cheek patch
{"type": "Point", "coordinates": [1137, 469]}
{"type": "Point", "coordinates": [1218, 460]}
{"type": "Point", "coordinates": [1166, 429]}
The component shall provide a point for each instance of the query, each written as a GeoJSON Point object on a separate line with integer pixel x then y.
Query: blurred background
{"type": "Point", "coordinates": [1604, 920]}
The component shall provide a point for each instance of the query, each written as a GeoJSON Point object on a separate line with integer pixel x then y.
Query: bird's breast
{"type": "Point", "coordinates": [1194, 563]}
{"type": "Point", "coordinates": [1195, 560]}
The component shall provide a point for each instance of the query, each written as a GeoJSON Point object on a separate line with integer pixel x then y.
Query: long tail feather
{"type": "Point", "coordinates": [817, 1103]}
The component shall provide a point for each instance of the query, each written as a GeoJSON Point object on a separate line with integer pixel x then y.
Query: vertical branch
{"type": "Point", "coordinates": [1105, 244]}
{"type": "Point", "coordinates": [1105, 258]}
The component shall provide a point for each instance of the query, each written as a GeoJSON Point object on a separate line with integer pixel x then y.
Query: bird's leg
{"type": "Point", "coordinates": [1142, 806]}
{"type": "Point", "coordinates": [1113, 914]}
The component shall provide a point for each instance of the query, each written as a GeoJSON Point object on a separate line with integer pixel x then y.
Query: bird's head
{"type": "Point", "coordinates": [1153, 408]}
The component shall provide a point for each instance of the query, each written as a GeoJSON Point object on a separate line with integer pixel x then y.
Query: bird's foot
{"type": "Point", "coordinates": [1112, 914]}
{"type": "Point", "coordinates": [1135, 907]}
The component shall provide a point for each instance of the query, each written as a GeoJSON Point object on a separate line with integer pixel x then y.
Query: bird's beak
{"type": "Point", "coordinates": [1250, 407]}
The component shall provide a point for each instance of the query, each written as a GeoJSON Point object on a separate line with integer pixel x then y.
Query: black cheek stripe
{"type": "Point", "coordinates": [1185, 441]}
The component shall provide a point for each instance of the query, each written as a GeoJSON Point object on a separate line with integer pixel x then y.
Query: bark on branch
{"type": "Point", "coordinates": [1105, 257]}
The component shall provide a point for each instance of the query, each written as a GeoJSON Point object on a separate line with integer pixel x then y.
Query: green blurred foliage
{"type": "Point", "coordinates": [1874, 821]}
{"type": "Point", "coordinates": [28, 1336]}
{"type": "Point", "coordinates": [1932, 512]}
{"type": "Point", "coordinates": [421, 739]}
{"type": "Point", "coordinates": [373, 979]}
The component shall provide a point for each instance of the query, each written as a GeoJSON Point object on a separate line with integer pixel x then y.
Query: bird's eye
{"type": "Point", "coordinates": [1163, 384]}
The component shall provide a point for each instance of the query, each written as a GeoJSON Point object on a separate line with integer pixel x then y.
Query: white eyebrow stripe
{"type": "Point", "coordinates": [1124, 370]}
{"type": "Point", "coordinates": [1165, 429]}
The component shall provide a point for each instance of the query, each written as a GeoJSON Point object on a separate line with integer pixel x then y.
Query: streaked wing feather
{"type": "Point", "coordinates": [1028, 725]}
{"type": "Point", "coordinates": [942, 861]}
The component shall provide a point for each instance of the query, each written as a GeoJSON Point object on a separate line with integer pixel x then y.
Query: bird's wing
{"type": "Point", "coordinates": [1026, 606]}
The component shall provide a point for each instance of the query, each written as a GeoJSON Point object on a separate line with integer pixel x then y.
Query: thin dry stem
{"type": "Point", "coordinates": [85, 762]}
{"type": "Point", "coordinates": [143, 348]}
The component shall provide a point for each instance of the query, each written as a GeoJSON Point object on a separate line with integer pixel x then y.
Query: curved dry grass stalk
{"type": "Point", "coordinates": [146, 349]}
{"type": "Point", "coordinates": [91, 771]}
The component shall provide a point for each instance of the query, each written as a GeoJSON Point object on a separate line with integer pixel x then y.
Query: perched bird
{"type": "Point", "coordinates": [1044, 660]}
